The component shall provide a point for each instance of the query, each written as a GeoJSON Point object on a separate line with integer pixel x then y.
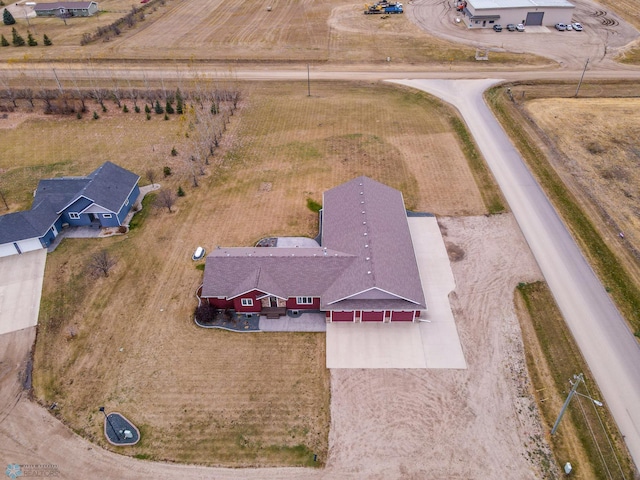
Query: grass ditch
{"type": "Point", "coordinates": [608, 267]}
{"type": "Point", "coordinates": [491, 194]}
{"type": "Point", "coordinates": [553, 358]}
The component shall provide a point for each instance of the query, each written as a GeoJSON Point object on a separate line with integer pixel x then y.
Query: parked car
{"type": "Point", "coordinates": [561, 27]}
{"type": "Point", "coordinates": [497, 27]}
{"type": "Point", "coordinates": [569, 27]}
{"type": "Point", "coordinates": [511, 27]}
{"type": "Point", "coordinates": [577, 27]}
{"type": "Point", "coordinates": [520, 27]}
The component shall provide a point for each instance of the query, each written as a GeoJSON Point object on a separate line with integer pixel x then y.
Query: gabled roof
{"type": "Point", "coordinates": [283, 272]}
{"type": "Point", "coordinates": [108, 186]}
{"type": "Point", "coordinates": [367, 259]}
{"type": "Point", "coordinates": [28, 224]}
{"type": "Point", "coordinates": [65, 5]}
{"type": "Point", "coordinates": [368, 219]}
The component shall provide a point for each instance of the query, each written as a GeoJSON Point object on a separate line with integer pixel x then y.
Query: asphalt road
{"type": "Point", "coordinates": [605, 340]}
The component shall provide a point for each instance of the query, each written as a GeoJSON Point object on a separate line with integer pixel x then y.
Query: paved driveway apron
{"type": "Point", "coordinates": [612, 353]}
{"type": "Point", "coordinates": [21, 279]}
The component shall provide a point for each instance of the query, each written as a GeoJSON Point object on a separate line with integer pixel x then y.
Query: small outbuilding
{"type": "Point", "coordinates": [487, 13]}
{"type": "Point", "coordinates": [66, 9]}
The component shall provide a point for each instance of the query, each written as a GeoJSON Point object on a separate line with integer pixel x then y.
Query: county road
{"type": "Point", "coordinates": [609, 347]}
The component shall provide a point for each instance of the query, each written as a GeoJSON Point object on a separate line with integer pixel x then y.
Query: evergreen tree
{"type": "Point", "coordinates": [7, 18]}
{"type": "Point", "coordinates": [169, 108]}
{"type": "Point", "coordinates": [179, 102]}
{"type": "Point", "coordinates": [3, 41]}
{"type": "Point", "coordinates": [18, 41]}
{"type": "Point", "coordinates": [147, 110]}
{"type": "Point", "coordinates": [30, 40]}
{"type": "Point", "coordinates": [125, 109]}
{"type": "Point", "coordinates": [46, 40]}
{"type": "Point", "coordinates": [158, 108]}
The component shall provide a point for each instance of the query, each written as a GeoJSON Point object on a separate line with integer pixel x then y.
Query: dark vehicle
{"type": "Point", "coordinates": [511, 27]}
{"type": "Point", "coordinates": [497, 28]}
{"type": "Point", "coordinates": [561, 27]}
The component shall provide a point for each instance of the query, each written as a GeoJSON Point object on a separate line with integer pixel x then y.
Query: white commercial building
{"type": "Point", "coordinates": [486, 13]}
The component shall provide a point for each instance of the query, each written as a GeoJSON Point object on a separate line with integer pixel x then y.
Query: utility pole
{"type": "Point", "coordinates": [308, 82]}
{"type": "Point", "coordinates": [579, 378]}
{"type": "Point", "coordinates": [580, 82]}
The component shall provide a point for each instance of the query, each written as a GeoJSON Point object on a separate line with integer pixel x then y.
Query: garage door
{"type": "Point", "coordinates": [7, 249]}
{"type": "Point", "coordinates": [29, 245]}
{"type": "Point", "coordinates": [372, 316]}
{"type": "Point", "coordinates": [401, 316]}
{"type": "Point", "coordinates": [534, 18]}
{"type": "Point", "coordinates": [342, 316]}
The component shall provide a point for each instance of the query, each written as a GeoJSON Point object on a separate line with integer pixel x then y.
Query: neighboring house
{"type": "Point", "coordinates": [101, 199]}
{"type": "Point", "coordinates": [364, 270]}
{"type": "Point", "coordinates": [486, 13]}
{"type": "Point", "coordinates": [66, 9]}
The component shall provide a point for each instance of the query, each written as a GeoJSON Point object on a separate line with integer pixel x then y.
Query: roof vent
{"type": "Point", "coordinates": [365, 234]}
{"type": "Point", "coordinates": [364, 223]}
{"type": "Point", "coordinates": [369, 272]}
{"type": "Point", "coordinates": [363, 212]}
{"type": "Point", "coordinates": [362, 202]}
{"type": "Point", "coordinates": [361, 193]}
{"type": "Point", "coordinates": [360, 183]}
{"type": "Point", "coordinates": [366, 245]}
{"type": "Point", "coordinates": [368, 258]}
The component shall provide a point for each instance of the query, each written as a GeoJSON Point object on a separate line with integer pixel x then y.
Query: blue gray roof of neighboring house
{"type": "Point", "coordinates": [28, 224]}
{"type": "Point", "coordinates": [108, 186]}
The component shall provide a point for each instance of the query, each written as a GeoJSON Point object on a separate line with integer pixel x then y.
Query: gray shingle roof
{"type": "Point", "coordinates": [367, 259]}
{"type": "Point", "coordinates": [65, 5]}
{"type": "Point", "coordinates": [368, 219]}
{"type": "Point", "coordinates": [108, 186]}
{"type": "Point", "coordinates": [283, 272]}
{"type": "Point", "coordinates": [28, 224]}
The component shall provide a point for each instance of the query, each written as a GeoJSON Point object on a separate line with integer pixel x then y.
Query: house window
{"type": "Point", "coordinates": [246, 302]}
{"type": "Point", "coordinates": [106, 215]}
{"type": "Point", "coordinates": [304, 300]}
{"type": "Point", "coordinates": [74, 216]}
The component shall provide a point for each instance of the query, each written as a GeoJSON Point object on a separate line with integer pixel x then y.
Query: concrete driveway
{"type": "Point", "coordinates": [21, 279]}
{"type": "Point", "coordinates": [433, 343]}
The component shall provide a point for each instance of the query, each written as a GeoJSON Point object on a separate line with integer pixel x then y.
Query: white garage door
{"type": "Point", "coordinates": [29, 245]}
{"type": "Point", "coordinates": [7, 249]}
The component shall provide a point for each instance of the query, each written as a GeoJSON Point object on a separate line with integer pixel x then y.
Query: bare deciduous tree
{"type": "Point", "coordinates": [166, 199]}
{"type": "Point", "coordinates": [101, 263]}
{"type": "Point", "coordinates": [151, 176]}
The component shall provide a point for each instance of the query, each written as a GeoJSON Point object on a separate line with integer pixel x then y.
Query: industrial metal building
{"type": "Point", "coordinates": [486, 13]}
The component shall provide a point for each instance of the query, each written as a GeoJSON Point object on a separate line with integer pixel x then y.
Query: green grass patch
{"type": "Point", "coordinates": [612, 273]}
{"type": "Point", "coordinates": [313, 205]}
{"type": "Point", "coordinates": [550, 375]}
{"type": "Point", "coordinates": [139, 217]}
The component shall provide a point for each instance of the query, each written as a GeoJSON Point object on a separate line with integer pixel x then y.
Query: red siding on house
{"type": "Point", "coordinates": [372, 316]}
{"type": "Point", "coordinates": [292, 304]}
{"type": "Point", "coordinates": [342, 316]}
{"type": "Point", "coordinates": [220, 302]}
{"type": "Point", "coordinates": [401, 316]}
{"type": "Point", "coordinates": [256, 307]}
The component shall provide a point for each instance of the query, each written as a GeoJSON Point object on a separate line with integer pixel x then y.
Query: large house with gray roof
{"type": "Point", "coordinates": [66, 9]}
{"type": "Point", "coordinates": [364, 269]}
{"type": "Point", "coordinates": [101, 199]}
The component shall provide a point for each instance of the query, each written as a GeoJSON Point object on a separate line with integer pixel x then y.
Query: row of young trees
{"type": "Point", "coordinates": [18, 41]}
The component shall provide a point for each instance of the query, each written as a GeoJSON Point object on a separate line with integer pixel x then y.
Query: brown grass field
{"type": "Point", "coordinates": [236, 30]}
{"type": "Point", "coordinates": [128, 342]}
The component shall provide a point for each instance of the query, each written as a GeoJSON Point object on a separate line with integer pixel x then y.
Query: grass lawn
{"type": "Point", "coordinates": [128, 341]}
